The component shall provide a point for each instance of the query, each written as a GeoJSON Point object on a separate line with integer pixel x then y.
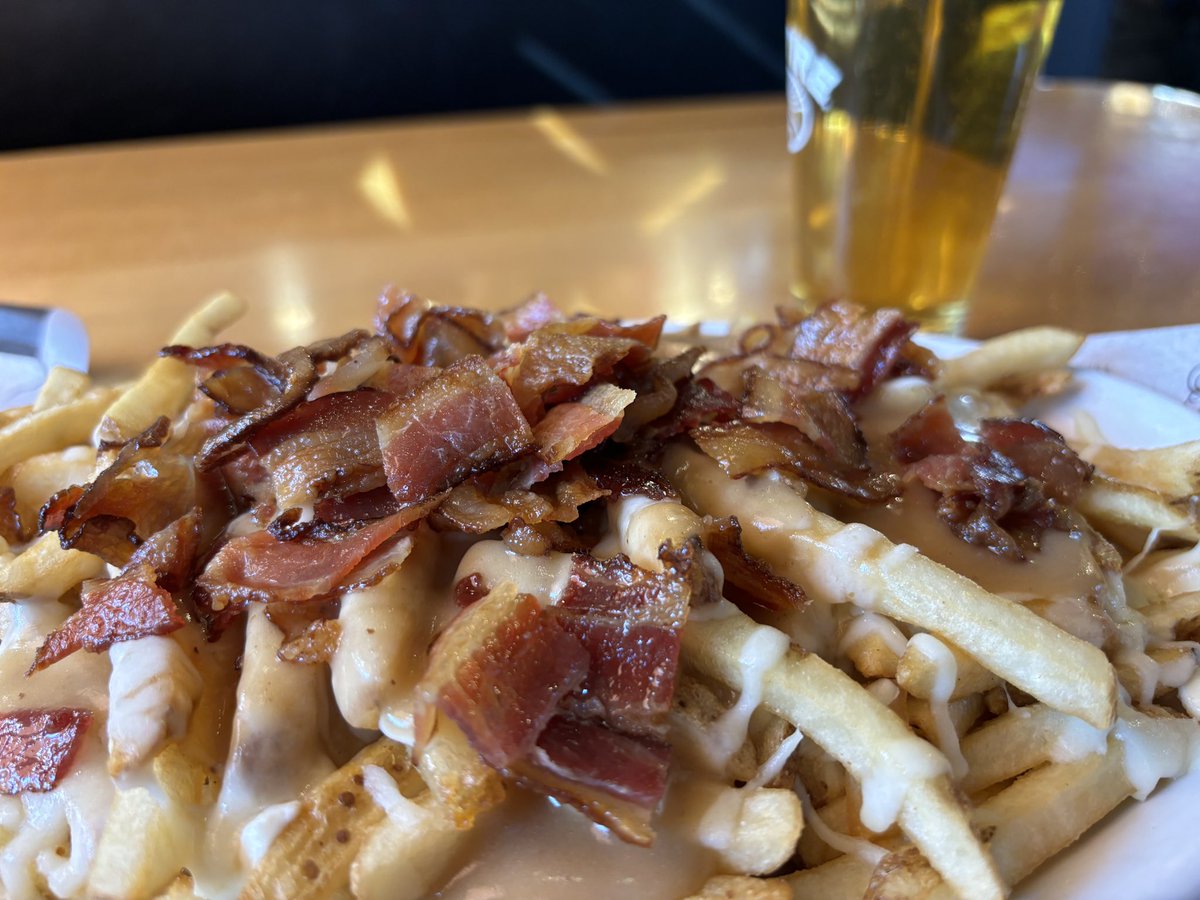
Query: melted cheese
{"type": "Point", "coordinates": [71, 816]}
{"type": "Point", "coordinates": [1189, 696]}
{"type": "Point", "coordinates": [884, 788]}
{"type": "Point", "coordinates": [1153, 748]}
{"type": "Point", "coordinates": [152, 690]}
{"type": "Point", "coordinates": [1074, 739]}
{"type": "Point", "coordinates": [774, 763]}
{"type": "Point", "coordinates": [870, 853]}
{"type": "Point", "coordinates": [260, 832]}
{"type": "Point", "coordinates": [945, 678]}
{"type": "Point", "coordinates": [872, 624]}
{"type": "Point", "coordinates": [546, 577]}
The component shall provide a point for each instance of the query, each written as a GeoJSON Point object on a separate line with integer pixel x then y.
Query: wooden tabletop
{"type": "Point", "coordinates": [679, 208]}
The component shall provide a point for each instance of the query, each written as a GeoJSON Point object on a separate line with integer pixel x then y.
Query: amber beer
{"type": "Point", "coordinates": [902, 116]}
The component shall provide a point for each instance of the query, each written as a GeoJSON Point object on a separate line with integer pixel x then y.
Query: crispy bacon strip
{"type": "Point", "coordinates": [124, 608]}
{"type": "Point", "coordinates": [553, 367]}
{"type": "Point", "coordinates": [570, 429]}
{"type": "Point", "coordinates": [499, 671]}
{"type": "Point", "coordinates": [37, 747]}
{"type": "Point", "coordinates": [749, 582]}
{"type": "Point", "coordinates": [522, 321]}
{"type": "Point", "coordinates": [844, 334]}
{"type": "Point", "coordinates": [144, 489]}
{"type": "Point", "coordinates": [257, 567]}
{"type": "Point", "coordinates": [423, 332]}
{"type": "Point", "coordinates": [1000, 492]}
{"type": "Point", "coordinates": [463, 422]}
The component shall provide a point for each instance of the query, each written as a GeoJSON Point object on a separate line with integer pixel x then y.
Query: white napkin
{"type": "Point", "coordinates": [1166, 360]}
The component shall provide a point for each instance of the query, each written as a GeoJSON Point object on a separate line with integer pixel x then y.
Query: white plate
{"type": "Point", "coordinates": [1142, 851]}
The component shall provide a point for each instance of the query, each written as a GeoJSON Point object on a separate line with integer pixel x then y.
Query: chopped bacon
{"type": "Point", "coordinates": [425, 333]}
{"type": "Point", "coordinates": [315, 644]}
{"type": "Point", "coordinates": [657, 390]}
{"type": "Point", "coordinates": [844, 334]}
{"type": "Point", "coordinates": [373, 504]}
{"type": "Point", "coordinates": [364, 364]}
{"type": "Point", "coordinates": [748, 581]}
{"type": "Point", "coordinates": [553, 367]}
{"type": "Point", "coordinates": [619, 588]}
{"type": "Point", "coordinates": [746, 448]}
{"type": "Point", "coordinates": [613, 778]}
{"type": "Point", "coordinates": [499, 671]}
{"type": "Point", "coordinates": [470, 589]}
{"type": "Point", "coordinates": [10, 520]}
{"type": "Point", "coordinates": [239, 391]}
{"type": "Point", "coordinates": [37, 747]}
{"type": "Point", "coordinates": [171, 551]}
{"type": "Point", "coordinates": [144, 489]}
{"type": "Point", "coordinates": [1000, 492]}
{"type": "Point", "coordinates": [324, 448]}
{"type": "Point", "coordinates": [522, 321]}
{"type": "Point", "coordinates": [700, 402]}
{"type": "Point", "coordinates": [124, 608]}
{"type": "Point", "coordinates": [292, 375]}
{"type": "Point", "coordinates": [463, 422]}
{"type": "Point", "coordinates": [629, 479]}
{"type": "Point", "coordinates": [570, 429]}
{"type": "Point", "coordinates": [646, 332]}
{"type": "Point", "coordinates": [476, 510]}
{"type": "Point", "coordinates": [730, 373]}
{"type": "Point", "coordinates": [258, 567]}
{"type": "Point", "coordinates": [402, 379]}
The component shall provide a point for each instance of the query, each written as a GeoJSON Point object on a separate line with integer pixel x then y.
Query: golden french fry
{"type": "Point", "coordinates": [62, 385]}
{"type": "Point", "coordinates": [1128, 513]}
{"type": "Point", "coordinates": [45, 569]}
{"type": "Point", "coordinates": [140, 851]}
{"type": "Point", "coordinates": [963, 714]}
{"type": "Point", "coordinates": [1016, 353]}
{"type": "Point", "coordinates": [406, 857]}
{"type": "Point", "coordinates": [53, 429]}
{"type": "Point", "coordinates": [743, 887]}
{"type": "Point", "coordinates": [1022, 739]}
{"type": "Point", "coordinates": [8, 416]}
{"type": "Point", "coordinates": [872, 656]}
{"type": "Point", "coordinates": [836, 563]}
{"type": "Point", "coordinates": [166, 386]}
{"type": "Point", "coordinates": [846, 876]}
{"type": "Point", "coordinates": [917, 673]}
{"type": "Point", "coordinates": [752, 830]}
{"type": "Point", "coordinates": [1172, 471]}
{"type": "Point", "coordinates": [462, 783]}
{"type": "Point", "coordinates": [37, 479]}
{"type": "Point", "coordinates": [312, 856]}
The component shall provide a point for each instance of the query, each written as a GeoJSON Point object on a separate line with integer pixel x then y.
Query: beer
{"type": "Point", "coordinates": [902, 119]}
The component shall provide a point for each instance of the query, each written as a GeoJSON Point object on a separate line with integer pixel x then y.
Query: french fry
{"type": "Point", "coordinates": [838, 714]}
{"type": "Point", "coordinates": [917, 673]}
{"type": "Point", "coordinates": [846, 876]}
{"type": "Point", "coordinates": [1172, 471]}
{"type": "Point", "coordinates": [406, 857]}
{"type": "Point", "coordinates": [37, 479]}
{"type": "Point", "coordinates": [836, 563]}
{"type": "Point", "coordinates": [1128, 513]}
{"type": "Point", "coordinates": [384, 635]}
{"type": "Point", "coordinates": [1020, 740]}
{"type": "Point", "coordinates": [166, 386]}
{"type": "Point", "coordinates": [963, 714]}
{"type": "Point", "coordinates": [311, 857]}
{"type": "Point", "coordinates": [752, 830]}
{"type": "Point", "coordinates": [130, 868]}
{"type": "Point", "coordinates": [62, 385]}
{"type": "Point", "coordinates": [54, 428]}
{"type": "Point", "coordinates": [742, 887]}
{"type": "Point", "coordinates": [45, 569]}
{"type": "Point", "coordinates": [1016, 353]}
{"type": "Point", "coordinates": [458, 779]}
{"type": "Point", "coordinates": [8, 416]}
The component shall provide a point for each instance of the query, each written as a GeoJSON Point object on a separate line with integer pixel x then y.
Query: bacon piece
{"type": "Point", "coordinates": [657, 390]}
{"type": "Point", "coordinates": [845, 334]}
{"type": "Point", "coordinates": [748, 580]}
{"type": "Point", "coordinates": [124, 608]}
{"type": "Point", "coordinates": [402, 379]}
{"type": "Point", "coordinates": [570, 429]}
{"type": "Point", "coordinates": [629, 479]}
{"type": "Point", "coordinates": [647, 331]}
{"type": "Point", "coordinates": [553, 367]}
{"type": "Point", "coordinates": [315, 644]}
{"type": "Point", "coordinates": [324, 447]}
{"type": "Point", "coordinates": [472, 509]}
{"type": "Point", "coordinates": [499, 671]}
{"type": "Point", "coordinates": [367, 360]}
{"type": "Point", "coordinates": [745, 448]}
{"type": "Point", "coordinates": [730, 373]}
{"type": "Point", "coordinates": [10, 521]}
{"type": "Point", "coordinates": [987, 496]}
{"type": "Point", "coordinates": [258, 567]}
{"type": "Point", "coordinates": [374, 504]}
{"type": "Point", "coordinates": [536, 312]}
{"type": "Point", "coordinates": [463, 422]}
{"type": "Point", "coordinates": [425, 333]}
{"type": "Point", "coordinates": [142, 491]}
{"type": "Point", "coordinates": [470, 589]}
{"type": "Point", "coordinates": [292, 375]}
{"type": "Point", "coordinates": [613, 778]}
{"type": "Point", "coordinates": [619, 588]}
{"type": "Point", "coordinates": [700, 402]}
{"type": "Point", "coordinates": [171, 551]}
{"type": "Point", "coordinates": [37, 747]}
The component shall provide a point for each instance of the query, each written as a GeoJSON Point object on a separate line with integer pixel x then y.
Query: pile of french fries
{"type": "Point", "coordinates": [907, 734]}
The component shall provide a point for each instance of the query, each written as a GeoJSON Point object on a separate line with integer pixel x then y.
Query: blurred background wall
{"type": "Point", "coordinates": [77, 71]}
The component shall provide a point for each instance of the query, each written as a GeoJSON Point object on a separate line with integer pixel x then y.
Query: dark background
{"type": "Point", "coordinates": [78, 71]}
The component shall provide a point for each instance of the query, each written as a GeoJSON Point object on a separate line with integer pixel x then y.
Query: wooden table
{"type": "Point", "coordinates": [681, 208]}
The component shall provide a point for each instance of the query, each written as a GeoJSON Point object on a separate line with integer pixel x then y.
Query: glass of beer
{"type": "Point", "coordinates": [902, 116]}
